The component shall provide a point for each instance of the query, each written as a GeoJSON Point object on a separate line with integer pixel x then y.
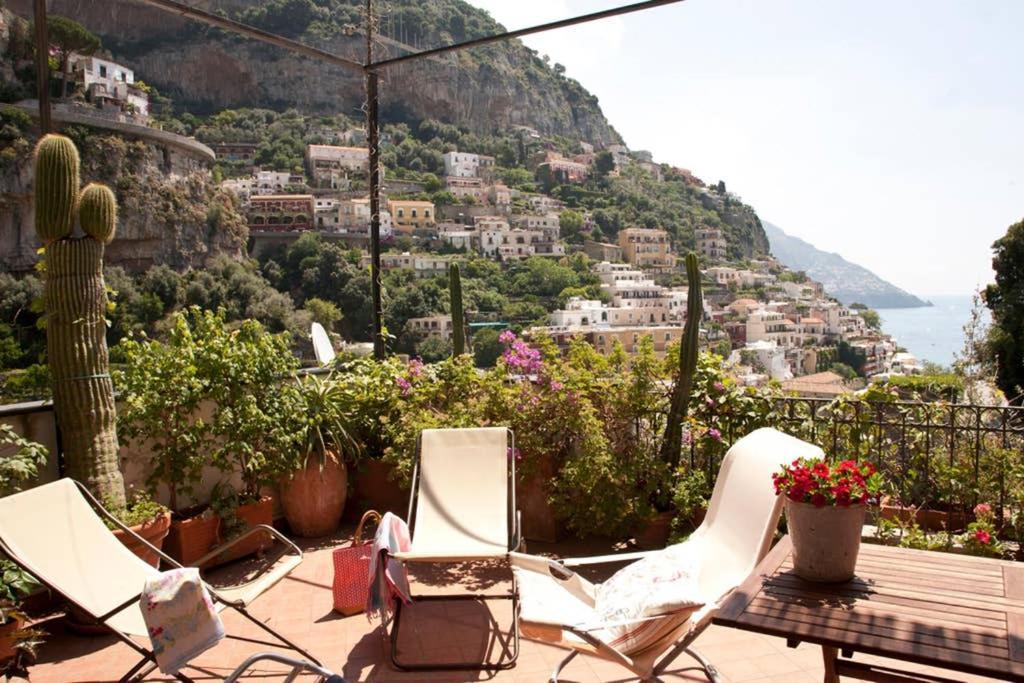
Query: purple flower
{"type": "Point", "coordinates": [523, 359]}
{"type": "Point", "coordinates": [415, 367]}
{"type": "Point", "coordinates": [715, 434]}
{"type": "Point", "coordinates": [514, 453]}
{"type": "Point", "coordinates": [719, 387]}
{"type": "Point", "coordinates": [403, 384]}
{"type": "Point", "coordinates": [507, 337]}
{"type": "Point", "coordinates": [687, 437]}
{"type": "Point", "coordinates": [556, 385]}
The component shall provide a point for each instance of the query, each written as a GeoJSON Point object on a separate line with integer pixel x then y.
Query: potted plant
{"type": "Point", "coordinates": [15, 584]}
{"type": "Point", "coordinates": [248, 370]}
{"type": "Point", "coordinates": [315, 486]}
{"type": "Point", "coordinates": [146, 518]}
{"type": "Point", "coordinates": [825, 510]}
{"type": "Point", "coordinates": [163, 390]}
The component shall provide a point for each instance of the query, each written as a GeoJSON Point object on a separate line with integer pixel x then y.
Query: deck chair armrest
{"type": "Point", "coordinates": [605, 559]}
{"type": "Point", "coordinates": [258, 528]}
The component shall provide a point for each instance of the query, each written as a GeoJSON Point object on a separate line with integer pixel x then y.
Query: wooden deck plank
{"type": "Point", "coordinates": [896, 578]}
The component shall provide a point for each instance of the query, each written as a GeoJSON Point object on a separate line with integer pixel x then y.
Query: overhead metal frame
{"type": "Point", "coordinates": [369, 68]}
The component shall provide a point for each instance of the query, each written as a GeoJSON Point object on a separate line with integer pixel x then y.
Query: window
{"type": "Point", "coordinates": [103, 71]}
{"type": "Point", "coordinates": [414, 213]}
{"type": "Point", "coordinates": [401, 213]}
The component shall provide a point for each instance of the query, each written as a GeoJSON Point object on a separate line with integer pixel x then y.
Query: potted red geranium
{"type": "Point", "coordinates": [825, 509]}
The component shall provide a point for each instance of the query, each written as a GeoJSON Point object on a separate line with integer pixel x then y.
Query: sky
{"type": "Point", "coordinates": [889, 132]}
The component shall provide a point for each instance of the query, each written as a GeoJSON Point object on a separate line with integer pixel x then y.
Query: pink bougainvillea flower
{"type": "Point", "coordinates": [507, 337]}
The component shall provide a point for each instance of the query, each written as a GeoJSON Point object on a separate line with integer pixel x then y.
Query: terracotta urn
{"type": "Point", "coordinates": [826, 540]}
{"type": "Point", "coordinates": [313, 498]}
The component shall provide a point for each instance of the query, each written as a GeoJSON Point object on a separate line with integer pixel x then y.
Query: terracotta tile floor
{"type": "Point", "coordinates": [300, 608]}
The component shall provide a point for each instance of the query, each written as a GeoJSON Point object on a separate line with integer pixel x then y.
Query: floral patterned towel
{"type": "Point", "coordinates": [180, 617]}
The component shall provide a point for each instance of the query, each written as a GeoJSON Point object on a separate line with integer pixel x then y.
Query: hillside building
{"type": "Point", "coordinates": [281, 213]}
{"type": "Point", "coordinates": [646, 248]}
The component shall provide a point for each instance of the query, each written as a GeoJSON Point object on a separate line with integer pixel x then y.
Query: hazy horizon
{"type": "Point", "coordinates": [886, 132]}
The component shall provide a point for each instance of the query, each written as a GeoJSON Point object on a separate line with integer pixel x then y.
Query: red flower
{"type": "Point", "coordinates": [983, 537]}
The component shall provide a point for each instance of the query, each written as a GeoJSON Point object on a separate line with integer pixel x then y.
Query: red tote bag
{"type": "Point", "coordinates": [352, 570]}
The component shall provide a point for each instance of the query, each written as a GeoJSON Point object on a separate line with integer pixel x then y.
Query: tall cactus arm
{"type": "Point", "coordinates": [458, 317]}
{"type": "Point", "coordinates": [672, 443]}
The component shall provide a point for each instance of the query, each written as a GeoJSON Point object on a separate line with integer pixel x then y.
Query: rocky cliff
{"type": "Point", "coordinates": [206, 70]}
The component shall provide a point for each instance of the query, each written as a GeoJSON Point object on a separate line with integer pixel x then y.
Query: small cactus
{"type": "Point", "coordinates": [458, 318]}
{"type": "Point", "coordinates": [97, 212]}
{"type": "Point", "coordinates": [56, 187]}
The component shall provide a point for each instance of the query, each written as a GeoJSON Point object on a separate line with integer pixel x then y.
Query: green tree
{"type": "Point", "coordinates": [434, 349]}
{"type": "Point", "coordinates": [570, 223]}
{"type": "Point", "coordinates": [1004, 298]}
{"type": "Point", "coordinates": [323, 312]}
{"type": "Point", "coordinates": [68, 36]}
{"type": "Point", "coordinates": [487, 348]}
{"type": "Point", "coordinates": [604, 163]}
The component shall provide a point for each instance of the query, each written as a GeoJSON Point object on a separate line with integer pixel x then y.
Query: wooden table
{"type": "Point", "coordinates": [950, 611]}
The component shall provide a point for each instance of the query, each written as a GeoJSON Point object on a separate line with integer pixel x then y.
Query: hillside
{"type": "Point", "coordinates": [846, 281]}
{"type": "Point", "coordinates": [205, 70]}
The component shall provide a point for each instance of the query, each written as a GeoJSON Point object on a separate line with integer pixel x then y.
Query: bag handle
{"type": "Point", "coordinates": [369, 514]}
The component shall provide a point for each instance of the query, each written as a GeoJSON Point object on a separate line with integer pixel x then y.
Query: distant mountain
{"type": "Point", "coordinates": [846, 281]}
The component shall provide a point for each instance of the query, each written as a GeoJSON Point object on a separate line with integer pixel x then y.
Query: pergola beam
{"type": "Point", "coordinates": [518, 33]}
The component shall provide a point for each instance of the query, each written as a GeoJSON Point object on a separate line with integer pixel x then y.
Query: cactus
{"type": "Point", "coordinates": [672, 443]}
{"type": "Point", "coordinates": [97, 212]}
{"type": "Point", "coordinates": [458, 319]}
{"type": "Point", "coordinates": [75, 298]}
{"type": "Point", "coordinates": [56, 187]}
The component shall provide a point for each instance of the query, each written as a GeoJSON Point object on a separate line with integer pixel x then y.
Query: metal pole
{"type": "Point", "coordinates": [477, 42]}
{"type": "Point", "coordinates": [373, 140]}
{"type": "Point", "coordinates": [42, 66]}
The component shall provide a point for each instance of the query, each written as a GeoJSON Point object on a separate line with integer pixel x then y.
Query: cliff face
{"type": "Point", "coordinates": [207, 70]}
{"type": "Point", "coordinates": [171, 219]}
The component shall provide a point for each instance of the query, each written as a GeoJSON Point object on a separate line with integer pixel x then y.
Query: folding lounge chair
{"type": "Point", "coordinates": [559, 606]}
{"type": "Point", "coordinates": [54, 532]}
{"type": "Point", "coordinates": [462, 508]}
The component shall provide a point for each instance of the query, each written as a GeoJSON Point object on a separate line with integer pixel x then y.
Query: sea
{"type": "Point", "coordinates": [933, 333]}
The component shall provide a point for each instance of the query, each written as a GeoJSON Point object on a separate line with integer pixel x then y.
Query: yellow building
{"type": "Point", "coordinates": [647, 248]}
{"type": "Point", "coordinates": [408, 215]}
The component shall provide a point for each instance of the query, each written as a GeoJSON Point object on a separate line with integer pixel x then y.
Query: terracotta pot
{"type": "Point", "coordinates": [540, 523]}
{"type": "Point", "coordinates": [253, 514]}
{"type": "Point", "coordinates": [826, 540]}
{"type": "Point", "coordinates": [314, 498]}
{"type": "Point", "coordinates": [654, 531]}
{"type": "Point", "coordinates": [7, 631]}
{"type": "Point", "coordinates": [190, 539]}
{"type": "Point", "coordinates": [153, 532]}
{"type": "Point", "coordinates": [928, 519]}
{"type": "Point", "coordinates": [374, 489]}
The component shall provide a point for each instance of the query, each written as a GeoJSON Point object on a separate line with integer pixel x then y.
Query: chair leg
{"type": "Point", "coordinates": [709, 669]}
{"type": "Point", "coordinates": [561, 665]}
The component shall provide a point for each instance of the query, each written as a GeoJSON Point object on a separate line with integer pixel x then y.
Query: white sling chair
{"type": "Point", "coordinates": [462, 508]}
{"type": "Point", "coordinates": [559, 606]}
{"type": "Point", "coordinates": [55, 533]}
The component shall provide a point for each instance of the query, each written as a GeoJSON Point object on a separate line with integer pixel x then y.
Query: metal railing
{"type": "Point", "coordinates": [931, 454]}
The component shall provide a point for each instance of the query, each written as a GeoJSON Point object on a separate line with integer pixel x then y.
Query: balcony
{"type": "Point", "coordinates": [936, 457]}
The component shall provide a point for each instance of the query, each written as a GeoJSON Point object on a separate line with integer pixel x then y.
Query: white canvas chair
{"type": "Point", "coordinates": [462, 508]}
{"type": "Point", "coordinates": [56, 534]}
{"type": "Point", "coordinates": [559, 606]}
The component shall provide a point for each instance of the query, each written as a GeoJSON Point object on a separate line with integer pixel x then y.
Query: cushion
{"type": "Point", "coordinates": [663, 584]}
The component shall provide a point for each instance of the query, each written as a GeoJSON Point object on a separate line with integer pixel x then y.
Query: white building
{"type": "Point", "coordinates": [354, 217]}
{"type": "Point", "coordinates": [274, 182]}
{"type": "Point", "coordinates": [431, 326]}
{"type": "Point", "coordinates": [109, 83]}
{"type": "Point", "coordinates": [326, 212]}
{"type": "Point", "coordinates": [770, 357]}
{"type": "Point", "coordinates": [466, 165]}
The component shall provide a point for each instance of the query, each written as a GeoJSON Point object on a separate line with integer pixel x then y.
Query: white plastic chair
{"type": "Point", "coordinates": [559, 606]}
